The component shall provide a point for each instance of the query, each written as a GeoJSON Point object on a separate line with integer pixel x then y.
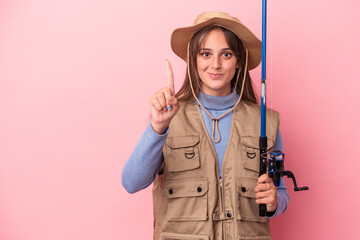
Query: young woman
{"type": "Point", "coordinates": [201, 147]}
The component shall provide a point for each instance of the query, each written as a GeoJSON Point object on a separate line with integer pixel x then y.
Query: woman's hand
{"type": "Point", "coordinates": [163, 104]}
{"type": "Point", "coordinates": [266, 193]}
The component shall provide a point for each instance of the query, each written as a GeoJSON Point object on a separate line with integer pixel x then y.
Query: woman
{"type": "Point", "coordinates": [201, 147]}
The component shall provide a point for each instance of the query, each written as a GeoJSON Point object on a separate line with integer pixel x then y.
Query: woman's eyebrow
{"type": "Point", "coordinates": [209, 49]}
{"type": "Point", "coordinates": [205, 49]}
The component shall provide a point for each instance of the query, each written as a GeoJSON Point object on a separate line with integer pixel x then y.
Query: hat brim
{"type": "Point", "coordinates": [182, 36]}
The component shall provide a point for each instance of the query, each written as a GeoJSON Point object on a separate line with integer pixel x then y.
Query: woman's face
{"type": "Point", "coordinates": [216, 64]}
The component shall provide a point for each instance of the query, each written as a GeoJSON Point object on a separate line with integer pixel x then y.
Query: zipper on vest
{"type": "Point", "coordinates": [221, 195]}
{"type": "Point", "coordinates": [222, 206]}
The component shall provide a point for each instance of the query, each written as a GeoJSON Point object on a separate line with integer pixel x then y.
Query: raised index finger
{"type": "Point", "coordinates": [170, 77]}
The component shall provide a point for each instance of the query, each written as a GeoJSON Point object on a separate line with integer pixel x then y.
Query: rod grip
{"type": "Point", "coordinates": [263, 168]}
{"type": "Point", "coordinates": [262, 210]}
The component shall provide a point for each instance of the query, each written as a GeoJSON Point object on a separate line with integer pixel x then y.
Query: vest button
{"type": "Point", "coordinates": [171, 191]}
{"type": "Point", "coordinates": [228, 215]}
{"type": "Point", "coordinates": [199, 189]}
{"type": "Point", "coordinates": [243, 189]}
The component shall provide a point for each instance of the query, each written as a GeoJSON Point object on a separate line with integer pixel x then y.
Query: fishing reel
{"type": "Point", "coordinates": [276, 169]}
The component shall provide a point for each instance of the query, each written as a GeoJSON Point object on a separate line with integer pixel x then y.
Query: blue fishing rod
{"type": "Point", "coordinates": [263, 138]}
{"type": "Point", "coordinates": [275, 164]}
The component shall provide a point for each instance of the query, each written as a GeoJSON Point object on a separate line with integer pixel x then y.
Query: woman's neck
{"type": "Point", "coordinates": [218, 102]}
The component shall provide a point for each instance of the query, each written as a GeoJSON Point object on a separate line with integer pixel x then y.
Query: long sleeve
{"type": "Point", "coordinates": [282, 194]}
{"type": "Point", "coordinates": [143, 164]}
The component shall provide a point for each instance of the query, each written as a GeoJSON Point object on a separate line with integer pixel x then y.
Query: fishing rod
{"type": "Point", "coordinates": [275, 164]}
{"type": "Point", "coordinates": [263, 138]}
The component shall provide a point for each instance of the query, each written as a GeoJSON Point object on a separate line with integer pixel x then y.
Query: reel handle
{"type": "Point", "coordinates": [301, 188]}
{"type": "Point", "coordinates": [289, 174]}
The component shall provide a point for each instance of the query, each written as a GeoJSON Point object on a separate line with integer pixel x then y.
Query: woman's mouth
{"type": "Point", "coordinates": [215, 75]}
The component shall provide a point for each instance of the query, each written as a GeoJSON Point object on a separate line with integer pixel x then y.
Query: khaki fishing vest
{"type": "Point", "coordinates": [190, 201]}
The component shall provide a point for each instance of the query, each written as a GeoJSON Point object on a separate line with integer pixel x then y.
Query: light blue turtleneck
{"type": "Point", "coordinates": [217, 106]}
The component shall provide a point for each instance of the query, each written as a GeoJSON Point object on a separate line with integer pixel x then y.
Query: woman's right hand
{"type": "Point", "coordinates": [163, 104]}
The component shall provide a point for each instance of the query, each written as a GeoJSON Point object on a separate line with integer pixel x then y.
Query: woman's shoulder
{"type": "Point", "coordinates": [256, 108]}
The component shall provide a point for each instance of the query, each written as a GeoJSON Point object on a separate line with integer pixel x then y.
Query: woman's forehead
{"type": "Point", "coordinates": [214, 40]}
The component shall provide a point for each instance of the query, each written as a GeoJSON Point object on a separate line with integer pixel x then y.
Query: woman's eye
{"type": "Point", "coordinates": [205, 54]}
{"type": "Point", "coordinates": [227, 54]}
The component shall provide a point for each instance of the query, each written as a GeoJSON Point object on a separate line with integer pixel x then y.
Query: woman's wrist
{"type": "Point", "coordinates": [159, 129]}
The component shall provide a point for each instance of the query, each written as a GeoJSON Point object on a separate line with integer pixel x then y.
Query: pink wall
{"type": "Point", "coordinates": [75, 78]}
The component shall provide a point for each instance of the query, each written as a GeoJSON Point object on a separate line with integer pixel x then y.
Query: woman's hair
{"type": "Point", "coordinates": [235, 44]}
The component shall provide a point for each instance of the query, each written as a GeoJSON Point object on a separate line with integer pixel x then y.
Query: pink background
{"type": "Point", "coordinates": [75, 79]}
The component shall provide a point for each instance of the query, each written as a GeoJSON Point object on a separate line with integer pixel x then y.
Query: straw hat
{"type": "Point", "coordinates": [182, 36]}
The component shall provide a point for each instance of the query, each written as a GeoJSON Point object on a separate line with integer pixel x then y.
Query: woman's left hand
{"type": "Point", "coordinates": [266, 193]}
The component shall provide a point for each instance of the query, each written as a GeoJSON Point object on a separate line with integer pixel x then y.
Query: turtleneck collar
{"type": "Point", "coordinates": [218, 102]}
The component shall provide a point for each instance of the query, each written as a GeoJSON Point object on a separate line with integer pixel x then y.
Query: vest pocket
{"type": "Point", "coordinates": [252, 152]}
{"type": "Point", "coordinates": [248, 210]}
{"type": "Point", "coordinates": [176, 236]}
{"type": "Point", "coordinates": [187, 199]}
{"type": "Point", "coordinates": [182, 153]}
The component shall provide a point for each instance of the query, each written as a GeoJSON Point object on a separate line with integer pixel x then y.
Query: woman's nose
{"type": "Point", "coordinates": [216, 63]}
